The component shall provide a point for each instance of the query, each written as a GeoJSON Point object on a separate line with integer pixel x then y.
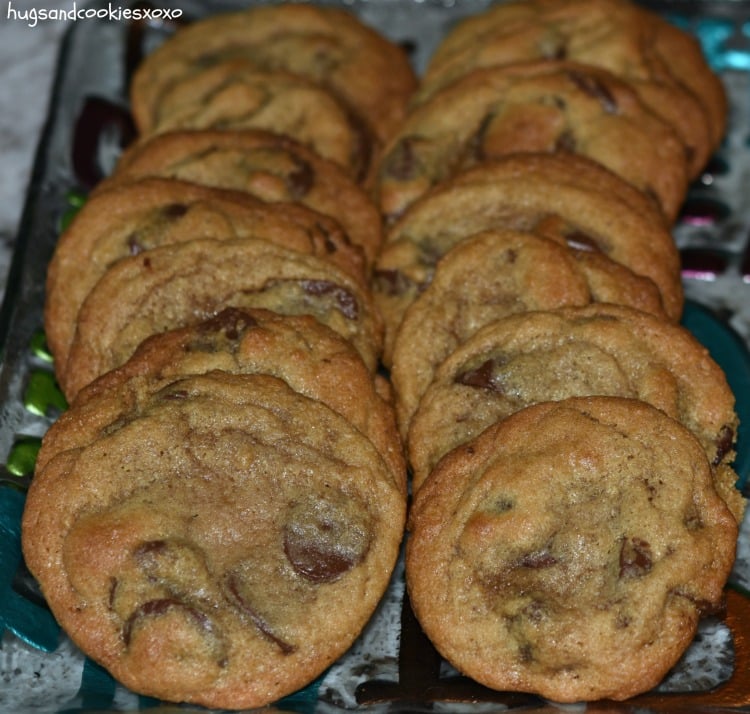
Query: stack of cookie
{"type": "Point", "coordinates": [219, 512]}
{"type": "Point", "coordinates": [575, 509]}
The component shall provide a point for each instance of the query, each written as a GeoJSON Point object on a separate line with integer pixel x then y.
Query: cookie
{"type": "Point", "coordinates": [595, 350]}
{"type": "Point", "coordinates": [144, 214]}
{"type": "Point", "coordinates": [663, 64]}
{"type": "Point", "coordinates": [570, 550]}
{"type": "Point", "coordinates": [310, 357]}
{"type": "Point", "coordinates": [486, 277]}
{"type": "Point", "coordinates": [180, 284]}
{"type": "Point", "coordinates": [233, 94]}
{"type": "Point", "coordinates": [268, 166]}
{"type": "Point", "coordinates": [546, 106]}
{"type": "Point", "coordinates": [232, 553]}
{"type": "Point", "coordinates": [327, 45]}
{"type": "Point", "coordinates": [566, 199]}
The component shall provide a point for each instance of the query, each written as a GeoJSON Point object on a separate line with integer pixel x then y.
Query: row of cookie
{"type": "Point", "coordinates": [497, 350]}
{"type": "Point", "coordinates": [217, 515]}
{"type": "Point", "coordinates": [575, 508]}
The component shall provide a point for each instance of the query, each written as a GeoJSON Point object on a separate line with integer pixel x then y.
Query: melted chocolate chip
{"type": "Point", "coordinates": [324, 539]}
{"type": "Point", "coordinates": [480, 378]}
{"type": "Point", "coordinates": [566, 142]}
{"type": "Point", "coordinates": [134, 246]}
{"type": "Point", "coordinates": [596, 89]}
{"type": "Point", "coordinates": [231, 321]}
{"type": "Point", "coordinates": [159, 607]}
{"type": "Point", "coordinates": [635, 558]}
{"type": "Point", "coordinates": [578, 240]}
{"type": "Point", "coordinates": [260, 623]}
{"type": "Point", "coordinates": [525, 653]}
{"type": "Point", "coordinates": [300, 181]}
{"type": "Point", "coordinates": [402, 163]}
{"type": "Point", "coordinates": [392, 282]}
{"type": "Point", "coordinates": [175, 395]}
{"type": "Point", "coordinates": [315, 562]}
{"type": "Point", "coordinates": [327, 240]}
{"type": "Point", "coordinates": [149, 548]}
{"type": "Point", "coordinates": [174, 210]}
{"type": "Point", "coordinates": [705, 608]}
{"type": "Point", "coordinates": [345, 301]}
{"type": "Point", "coordinates": [724, 443]}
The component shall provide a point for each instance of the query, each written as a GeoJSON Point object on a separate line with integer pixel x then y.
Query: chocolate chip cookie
{"type": "Point", "coordinates": [567, 199]}
{"type": "Point", "coordinates": [176, 285]}
{"type": "Point", "coordinates": [270, 167]}
{"type": "Point", "coordinates": [595, 350]}
{"type": "Point", "coordinates": [570, 550]}
{"type": "Point", "coordinates": [488, 276]}
{"type": "Point", "coordinates": [664, 65]}
{"type": "Point", "coordinates": [328, 45]}
{"type": "Point", "coordinates": [310, 357]}
{"type": "Point", "coordinates": [240, 542]}
{"type": "Point", "coordinates": [233, 94]}
{"type": "Point", "coordinates": [132, 218]}
{"type": "Point", "coordinates": [545, 106]}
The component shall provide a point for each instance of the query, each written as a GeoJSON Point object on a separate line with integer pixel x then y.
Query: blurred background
{"type": "Point", "coordinates": [28, 57]}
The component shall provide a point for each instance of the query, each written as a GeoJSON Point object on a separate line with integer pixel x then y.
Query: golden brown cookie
{"type": "Point", "coordinates": [570, 550]}
{"type": "Point", "coordinates": [488, 276]}
{"type": "Point", "coordinates": [328, 45]}
{"type": "Point", "coordinates": [663, 64]}
{"type": "Point", "coordinates": [567, 199]}
{"type": "Point", "coordinates": [183, 283]}
{"type": "Point", "coordinates": [310, 357]}
{"type": "Point", "coordinates": [595, 350]}
{"type": "Point", "coordinates": [241, 540]}
{"type": "Point", "coordinates": [271, 167]}
{"type": "Point", "coordinates": [555, 107]}
{"type": "Point", "coordinates": [134, 217]}
{"type": "Point", "coordinates": [233, 94]}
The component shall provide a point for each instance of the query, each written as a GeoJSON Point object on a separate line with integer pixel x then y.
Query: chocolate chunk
{"type": "Point", "coordinates": [300, 181]}
{"type": "Point", "coordinates": [231, 321]}
{"type": "Point", "coordinates": [724, 443]}
{"type": "Point", "coordinates": [264, 627]}
{"type": "Point", "coordinates": [345, 301]}
{"type": "Point", "coordinates": [635, 558]}
{"type": "Point", "coordinates": [159, 607]}
{"type": "Point", "coordinates": [593, 87]}
{"type": "Point", "coordinates": [323, 540]}
{"type": "Point", "coordinates": [174, 210]}
{"type": "Point", "coordinates": [578, 240]}
{"type": "Point", "coordinates": [315, 562]}
{"type": "Point", "coordinates": [566, 142]}
{"type": "Point", "coordinates": [392, 282]}
{"type": "Point", "coordinates": [134, 246]}
{"type": "Point", "coordinates": [480, 378]}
